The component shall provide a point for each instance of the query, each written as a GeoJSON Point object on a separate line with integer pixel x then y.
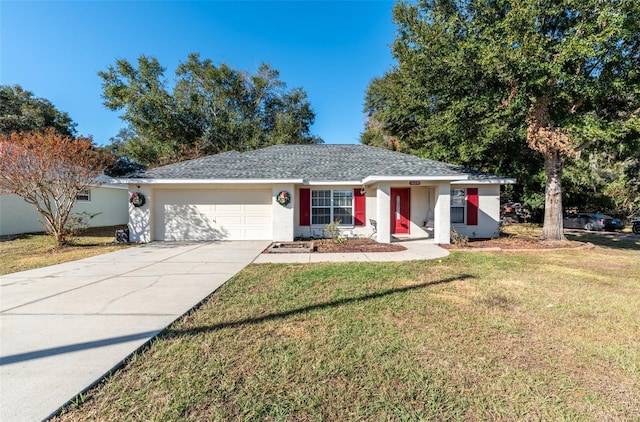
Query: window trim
{"type": "Point", "coordinates": [332, 207]}
{"type": "Point", "coordinates": [85, 193]}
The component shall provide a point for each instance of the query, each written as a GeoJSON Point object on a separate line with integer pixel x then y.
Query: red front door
{"type": "Point", "coordinates": [400, 211]}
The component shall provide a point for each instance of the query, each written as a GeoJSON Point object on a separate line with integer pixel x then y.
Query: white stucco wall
{"type": "Point", "coordinates": [18, 216]}
{"type": "Point", "coordinates": [428, 202]}
{"type": "Point", "coordinates": [140, 217]}
{"type": "Point", "coordinates": [488, 213]}
{"type": "Point", "coordinates": [383, 213]}
{"type": "Point", "coordinates": [282, 217]}
{"type": "Point", "coordinates": [442, 214]}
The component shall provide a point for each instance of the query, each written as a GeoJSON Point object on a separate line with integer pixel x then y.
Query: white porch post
{"type": "Point", "coordinates": [282, 218]}
{"type": "Point", "coordinates": [383, 209]}
{"type": "Point", "coordinates": [442, 214]}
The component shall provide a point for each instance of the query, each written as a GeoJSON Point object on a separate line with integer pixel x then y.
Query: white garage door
{"type": "Point", "coordinates": [192, 214]}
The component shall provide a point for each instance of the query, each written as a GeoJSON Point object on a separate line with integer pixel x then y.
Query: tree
{"type": "Point", "coordinates": [20, 110]}
{"type": "Point", "coordinates": [211, 109]}
{"type": "Point", "coordinates": [119, 150]}
{"type": "Point", "coordinates": [48, 170]}
{"type": "Point", "coordinates": [529, 80]}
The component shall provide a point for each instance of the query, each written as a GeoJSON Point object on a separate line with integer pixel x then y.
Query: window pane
{"type": "Point", "coordinates": [342, 198]}
{"type": "Point", "coordinates": [321, 216]}
{"type": "Point", "coordinates": [345, 215]}
{"type": "Point", "coordinates": [320, 198]}
{"type": "Point", "coordinates": [457, 197]}
{"type": "Point", "coordinates": [457, 215]}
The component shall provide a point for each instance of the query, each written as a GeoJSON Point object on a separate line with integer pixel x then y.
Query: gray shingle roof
{"type": "Point", "coordinates": [317, 163]}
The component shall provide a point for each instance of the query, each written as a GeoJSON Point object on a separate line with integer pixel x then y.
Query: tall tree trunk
{"type": "Point", "coordinates": [552, 229]}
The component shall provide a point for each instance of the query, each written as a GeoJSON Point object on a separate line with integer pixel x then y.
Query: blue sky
{"type": "Point", "coordinates": [330, 49]}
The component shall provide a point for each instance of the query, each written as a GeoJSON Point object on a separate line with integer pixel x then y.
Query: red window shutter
{"type": "Point", "coordinates": [359, 215]}
{"type": "Point", "coordinates": [305, 207]}
{"type": "Point", "coordinates": [472, 206]}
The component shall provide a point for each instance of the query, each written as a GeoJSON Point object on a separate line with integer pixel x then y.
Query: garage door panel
{"type": "Point", "coordinates": [212, 215]}
{"type": "Point", "coordinates": [228, 208]}
{"type": "Point", "coordinates": [230, 220]}
{"type": "Point", "coordinates": [258, 221]}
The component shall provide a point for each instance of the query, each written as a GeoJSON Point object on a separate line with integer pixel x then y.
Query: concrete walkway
{"type": "Point", "coordinates": [63, 327]}
{"type": "Point", "coordinates": [416, 249]}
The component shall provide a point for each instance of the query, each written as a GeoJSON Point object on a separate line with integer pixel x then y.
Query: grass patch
{"type": "Point", "coordinates": [609, 240]}
{"type": "Point", "coordinates": [37, 250]}
{"type": "Point", "coordinates": [535, 336]}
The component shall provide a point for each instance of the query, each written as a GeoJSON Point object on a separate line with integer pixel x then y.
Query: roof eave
{"type": "Point", "coordinates": [332, 182]}
{"type": "Point", "coordinates": [487, 181]}
{"type": "Point", "coordinates": [151, 181]}
{"type": "Point", "coordinates": [375, 179]}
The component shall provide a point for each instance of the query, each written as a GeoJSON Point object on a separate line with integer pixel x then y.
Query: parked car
{"type": "Point", "coordinates": [514, 212]}
{"type": "Point", "coordinates": [592, 221]}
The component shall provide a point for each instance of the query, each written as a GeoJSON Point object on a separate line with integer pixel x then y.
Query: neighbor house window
{"type": "Point", "coordinates": [458, 203]}
{"type": "Point", "coordinates": [84, 195]}
{"type": "Point", "coordinates": [330, 205]}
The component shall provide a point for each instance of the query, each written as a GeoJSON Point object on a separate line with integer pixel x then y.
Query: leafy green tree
{"type": "Point", "coordinates": [118, 152]}
{"type": "Point", "coordinates": [20, 111]}
{"type": "Point", "coordinates": [503, 84]}
{"type": "Point", "coordinates": [210, 109]}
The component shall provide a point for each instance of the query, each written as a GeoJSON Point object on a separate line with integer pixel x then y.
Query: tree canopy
{"type": "Point", "coordinates": [20, 110]}
{"type": "Point", "coordinates": [208, 109]}
{"type": "Point", "coordinates": [511, 86]}
{"type": "Point", "coordinates": [49, 170]}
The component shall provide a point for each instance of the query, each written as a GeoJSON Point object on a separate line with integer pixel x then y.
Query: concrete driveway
{"type": "Point", "coordinates": [65, 326]}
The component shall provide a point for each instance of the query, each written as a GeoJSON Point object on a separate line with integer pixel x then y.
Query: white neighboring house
{"type": "Point", "coordinates": [285, 192]}
{"type": "Point", "coordinates": [109, 200]}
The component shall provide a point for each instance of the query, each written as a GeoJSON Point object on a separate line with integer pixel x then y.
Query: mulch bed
{"type": "Point", "coordinates": [355, 245]}
{"type": "Point", "coordinates": [351, 245]}
{"type": "Point", "coordinates": [508, 242]}
{"type": "Point", "coordinates": [513, 242]}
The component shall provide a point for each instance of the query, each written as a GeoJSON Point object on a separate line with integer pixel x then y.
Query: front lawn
{"type": "Point", "coordinates": [29, 251]}
{"type": "Point", "coordinates": [475, 336]}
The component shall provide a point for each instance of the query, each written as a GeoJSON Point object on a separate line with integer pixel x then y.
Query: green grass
{"type": "Point", "coordinates": [475, 336]}
{"type": "Point", "coordinates": [37, 250]}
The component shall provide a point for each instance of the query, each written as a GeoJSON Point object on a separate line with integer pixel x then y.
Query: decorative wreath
{"type": "Point", "coordinates": [283, 198]}
{"type": "Point", "coordinates": [137, 199]}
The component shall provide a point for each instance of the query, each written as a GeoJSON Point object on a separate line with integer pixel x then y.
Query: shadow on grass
{"type": "Point", "coordinates": [608, 240]}
{"type": "Point", "coordinates": [306, 309]}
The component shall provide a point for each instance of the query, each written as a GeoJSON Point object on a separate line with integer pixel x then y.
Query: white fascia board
{"type": "Point", "coordinates": [209, 181]}
{"type": "Point", "coordinates": [491, 181]}
{"type": "Point", "coordinates": [112, 186]}
{"type": "Point", "coordinates": [373, 179]}
{"type": "Point", "coordinates": [334, 183]}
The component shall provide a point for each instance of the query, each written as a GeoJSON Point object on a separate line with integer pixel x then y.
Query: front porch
{"type": "Point", "coordinates": [412, 212]}
{"type": "Point", "coordinates": [401, 210]}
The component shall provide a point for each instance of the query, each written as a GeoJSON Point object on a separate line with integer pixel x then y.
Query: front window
{"type": "Point", "coordinates": [329, 205]}
{"type": "Point", "coordinates": [458, 203]}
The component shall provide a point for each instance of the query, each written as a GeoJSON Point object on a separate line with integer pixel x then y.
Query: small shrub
{"type": "Point", "coordinates": [334, 231]}
{"type": "Point", "coordinates": [458, 240]}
